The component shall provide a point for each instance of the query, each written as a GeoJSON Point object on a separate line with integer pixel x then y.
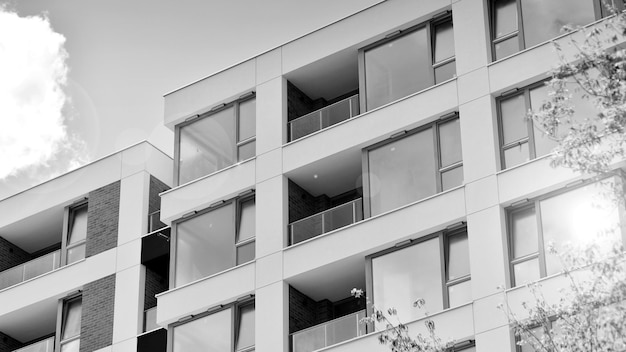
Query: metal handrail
{"type": "Point", "coordinates": [47, 344]}
{"type": "Point", "coordinates": [319, 113]}
{"type": "Point", "coordinates": [357, 215]}
{"type": "Point", "coordinates": [359, 329]}
{"type": "Point", "coordinates": [23, 272]}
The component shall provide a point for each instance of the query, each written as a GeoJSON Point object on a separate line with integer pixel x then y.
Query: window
{"type": "Point", "coordinates": [216, 140]}
{"type": "Point", "coordinates": [420, 164]}
{"type": "Point", "coordinates": [75, 233]}
{"type": "Point", "coordinates": [216, 239]}
{"type": "Point", "coordinates": [435, 269]}
{"type": "Point", "coordinates": [407, 63]}
{"type": "Point", "coordinates": [229, 329]}
{"type": "Point", "coordinates": [520, 24]}
{"type": "Point", "coordinates": [69, 336]}
{"type": "Point", "coordinates": [574, 217]}
{"type": "Point", "coordinates": [520, 141]}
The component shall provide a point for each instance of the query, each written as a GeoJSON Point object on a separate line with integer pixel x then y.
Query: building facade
{"type": "Point", "coordinates": [387, 151]}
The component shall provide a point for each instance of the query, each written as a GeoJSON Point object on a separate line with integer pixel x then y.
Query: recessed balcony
{"type": "Point", "coordinates": [46, 345]}
{"type": "Point", "coordinates": [326, 221]}
{"type": "Point", "coordinates": [329, 333]}
{"type": "Point", "coordinates": [30, 269]}
{"type": "Point", "coordinates": [323, 118]}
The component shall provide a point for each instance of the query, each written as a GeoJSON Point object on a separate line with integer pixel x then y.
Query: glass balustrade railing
{"type": "Point", "coordinates": [149, 319]}
{"type": "Point", "coordinates": [324, 117]}
{"type": "Point", "coordinates": [329, 333]}
{"type": "Point", "coordinates": [326, 221]}
{"type": "Point", "coordinates": [30, 269]}
{"type": "Point", "coordinates": [154, 221]}
{"type": "Point", "coordinates": [46, 345]}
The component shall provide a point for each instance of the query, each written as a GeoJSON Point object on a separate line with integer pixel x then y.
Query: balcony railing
{"type": "Point", "coordinates": [149, 319]}
{"type": "Point", "coordinates": [46, 345]}
{"type": "Point", "coordinates": [324, 117]}
{"type": "Point", "coordinates": [154, 221]}
{"type": "Point", "coordinates": [329, 333]}
{"type": "Point", "coordinates": [29, 270]}
{"type": "Point", "coordinates": [326, 221]}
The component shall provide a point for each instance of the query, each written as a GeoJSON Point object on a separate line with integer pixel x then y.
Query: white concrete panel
{"type": "Point", "coordinates": [471, 35]}
{"type": "Point", "coordinates": [205, 293]}
{"type": "Point", "coordinates": [374, 126]}
{"type": "Point", "coordinates": [473, 85]}
{"type": "Point", "coordinates": [133, 212]}
{"type": "Point", "coordinates": [205, 191]}
{"type": "Point", "coordinates": [271, 215]}
{"type": "Point", "coordinates": [269, 165]}
{"type": "Point", "coordinates": [59, 282]}
{"type": "Point", "coordinates": [271, 105]}
{"type": "Point", "coordinates": [481, 194]}
{"type": "Point", "coordinates": [145, 157]}
{"type": "Point", "coordinates": [105, 349]}
{"type": "Point", "coordinates": [269, 65]}
{"type": "Point", "coordinates": [269, 269]}
{"type": "Point", "coordinates": [479, 138]}
{"type": "Point", "coordinates": [358, 30]}
{"type": "Point", "coordinates": [522, 181]}
{"type": "Point", "coordinates": [272, 318]}
{"type": "Point", "coordinates": [202, 95]}
{"type": "Point", "coordinates": [128, 255]}
{"type": "Point", "coordinates": [499, 339]}
{"type": "Point", "coordinates": [129, 299]}
{"type": "Point", "coordinates": [487, 315]}
{"type": "Point", "coordinates": [487, 236]}
{"type": "Point", "coordinates": [374, 234]}
{"type": "Point", "coordinates": [129, 345]}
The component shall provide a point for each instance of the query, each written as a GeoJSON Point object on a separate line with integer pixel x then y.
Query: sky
{"type": "Point", "coordinates": [82, 79]}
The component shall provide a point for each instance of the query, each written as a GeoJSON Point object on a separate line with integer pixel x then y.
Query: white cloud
{"type": "Point", "coordinates": [34, 140]}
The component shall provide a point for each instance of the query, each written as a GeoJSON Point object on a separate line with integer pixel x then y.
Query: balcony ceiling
{"type": "Point", "coordinates": [36, 231]}
{"type": "Point", "coordinates": [32, 321]}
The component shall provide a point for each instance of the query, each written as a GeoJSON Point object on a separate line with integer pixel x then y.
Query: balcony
{"type": "Point", "coordinates": [30, 269]}
{"type": "Point", "coordinates": [326, 221]}
{"type": "Point", "coordinates": [329, 333]}
{"type": "Point", "coordinates": [154, 221]}
{"type": "Point", "coordinates": [323, 118]}
{"type": "Point", "coordinates": [149, 319]}
{"type": "Point", "coordinates": [46, 345]}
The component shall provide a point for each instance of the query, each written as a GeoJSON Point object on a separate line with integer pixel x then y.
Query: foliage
{"type": "Point", "coordinates": [598, 71]}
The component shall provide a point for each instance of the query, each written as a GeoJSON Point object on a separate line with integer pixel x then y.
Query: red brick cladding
{"type": "Point", "coordinates": [96, 327]}
{"type": "Point", "coordinates": [103, 219]}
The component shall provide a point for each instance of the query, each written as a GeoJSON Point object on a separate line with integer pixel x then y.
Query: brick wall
{"type": "Point", "coordinates": [11, 255]}
{"type": "Point", "coordinates": [155, 284]}
{"type": "Point", "coordinates": [154, 201]}
{"type": "Point", "coordinates": [303, 204]}
{"type": "Point", "coordinates": [103, 219]}
{"type": "Point", "coordinates": [299, 104]}
{"type": "Point", "coordinates": [96, 328]}
{"type": "Point", "coordinates": [302, 311]}
{"type": "Point", "coordinates": [8, 344]}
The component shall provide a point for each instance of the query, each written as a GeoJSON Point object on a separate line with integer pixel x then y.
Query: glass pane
{"type": "Point", "coordinates": [337, 113]}
{"type": "Point", "coordinates": [246, 327]}
{"type": "Point", "coordinates": [71, 319]}
{"type": "Point", "coordinates": [578, 217]}
{"type": "Point", "coordinates": [305, 125]}
{"type": "Point", "coordinates": [309, 340]}
{"type": "Point", "coordinates": [402, 172]}
{"type": "Point", "coordinates": [505, 12]}
{"type": "Point", "coordinates": [524, 232]}
{"type": "Point", "coordinates": [452, 178]}
{"type": "Point", "coordinates": [41, 265]}
{"type": "Point", "coordinates": [207, 145]}
{"type": "Point", "coordinates": [445, 72]}
{"type": "Point", "coordinates": [513, 117]}
{"type": "Point", "coordinates": [211, 333]}
{"type": "Point", "coordinates": [507, 47]}
{"type": "Point", "coordinates": [450, 142]}
{"type": "Point", "coordinates": [516, 155]}
{"type": "Point", "coordinates": [338, 217]}
{"type": "Point", "coordinates": [458, 256]}
{"type": "Point", "coordinates": [247, 151]}
{"type": "Point", "coordinates": [304, 229]}
{"type": "Point", "coordinates": [526, 272]}
{"type": "Point", "coordinates": [444, 41]}
{"type": "Point", "coordinates": [543, 144]}
{"type": "Point", "coordinates": [205, 245]}
{"type": "Point", "coordinates": [75, 253]}
{"type": "Point", "coordinates": [247, 220]}
{"type": "Point", "coordinates": [11, 277]}
{"type": "Point", "coordinates": [245, 253]}
{"type": "Point", "coordinates": [342, 329]}
{"type": "Point", "coordinates": [247, 119]}
{"type": "Point", "coordinates": [78, 229]}
{"type": "Point", "coordinates": [534, 334]}
{"type": "Point", "coordinates": [397, 68]}
{"type": "Point", "coordinates": [417, 269]}
{"type": "Point", "coordinates": [460, 293]}
{"type": "Point", "coordinates": [73, 346]}
{"type": "Point", "coordinates": [544, 20]}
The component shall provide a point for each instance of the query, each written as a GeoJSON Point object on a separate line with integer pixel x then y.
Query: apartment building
{"type": "Point", "coordinates": [387, 151]}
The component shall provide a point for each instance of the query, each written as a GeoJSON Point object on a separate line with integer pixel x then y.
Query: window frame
{"type": "Point", "coordinates": [534, 203]}
{"type": "Point", "coordinates": [62, 309]}
{"type": "Point", "coordinates": [237, 201]}
{"type": "Point", "coordinates": [439, 169]}
{"type": "Point", "coordinates": [442, 237]}
{"type": "Point", "coordinates": [235, 308]}
{"type": "Point", "coordinates": [599, 13]}
{"type": "Point", "coordinates": [68, 222]}
{"type": "Point", "coordinates": [429, 25]}
{"type": "Point", "coordinates": [251, 95]}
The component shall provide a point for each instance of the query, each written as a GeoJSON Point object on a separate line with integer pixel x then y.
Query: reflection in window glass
{"type": "Point", "coordinates": [71, 319]}
{"type": "Point", "coordinates": [210, 333]}
{"type": "Point", "coordinates": [513, 116]}
{"type": "Point", "coordinates": [245, 331]}
{"type": "Point", "coordinates": [444, 41]}
{"type": "Point", "coordinates": [445, 72]}
{"type": "Point", "coordinates": [247, 220]}
{"type": "Point", "coordinates": [524, 232]}
{"type": "Point", "coordinates": [526, 272]}
{"type": "Point", "coordinates": [75, 253]}
{"type": "Point", "coordinates": [516, 155]}
{"type": "Point", "coordinates": [450, 142]}
{"type": "Point", "coordinates": [460, 293]}
{"type": "Point", "coordinates": [72, 346]}
{"type": "Point", "coordinates": [505, 17]}
{"type": "Point", "coordinates": [458, 256]}
{"type": "Point", "coordinates": [247, 119]}
{"type": "Point", "coordinates": [506, 47]}
{"type": "Point", "coordinates": [544, 20]}
{"type": "Point", "coordinates": [78, 227]}
{"type": "Point", "coordinates": [245, 253]}
{"type": "Point", "coordinates": [452, 178]}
